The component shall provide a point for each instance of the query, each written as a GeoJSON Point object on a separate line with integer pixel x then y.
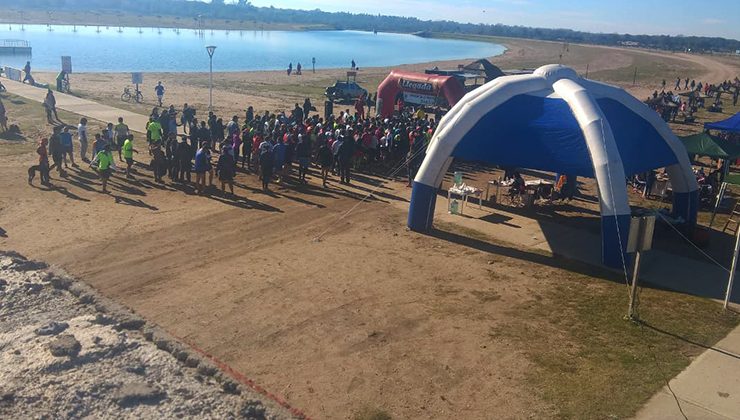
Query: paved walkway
{"type": "Point", "coordinates": [90, 109]}
{"type": "Point", "coordinates": [708, 389]}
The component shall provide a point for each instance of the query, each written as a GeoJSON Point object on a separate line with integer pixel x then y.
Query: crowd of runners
{"type": "Point", "coordinates": [287, 147]}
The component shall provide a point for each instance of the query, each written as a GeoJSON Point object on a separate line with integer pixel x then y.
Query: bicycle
{"type": "Point", "coordinates": [128, 95]}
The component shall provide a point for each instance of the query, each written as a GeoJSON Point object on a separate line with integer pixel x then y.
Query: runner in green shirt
{"type": "Point", "coordinates": [105, 162]}
{"type": "Point", "coordinates": [155, 132]}
{"type": "Point", "coordinates": [128, 154]}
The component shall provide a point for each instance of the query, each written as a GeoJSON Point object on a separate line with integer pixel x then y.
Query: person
{"type": "Point", "coordinates": [61, 77]}
{"type": "Point", "coordinates": [82, 137]}
{"type": "Point", "coordinates": [28, 78]}
{"type": "Point", "coordinates": [159, 90]}
{"type": "Point", "coordinates": [65, 139]}
{"type": "Point", "coordinates": [128, 153]}
{"type": "Point", "coordinates": [290, 68]}
{"type": "Point", "coordinates": [50, 105]}
{"type": "Point", "coordinates": [354, 65]}
{"type": "Point", "coordinates": [159, 163]}
{"type": "Point", "coordinates": [360, 107]}
{"type": "Point", "coordinates": [57, 151]}
{"type": "Point", "coordinates": [297, 114]}
{"type": "Point", "coordinates": [303, 153]}
{"type": "Point", "coordinates": [3, 117]}
{"type": "Point", "coordinates": [184, 157]}
{"type": "Point", "coordinates": [154, 132]}
{"type": "Point", "coordinates": [307, 105]}
{"type": "Point", "coordinates": [225, 170]}
{"type": "Point", "coordinates": [187, 118]}
{"type": "Point", "coordinates": [201, 167]}
{"type": "Point", "coordinates": [298, 69]}
{"type": "Point", "coordinates": [104, 165]}
{"type": "Point", "coordinates": [346, 152]}
{"type": "Point", "coordinates": [278, 159]}
{"type": "Point", "coordinates": [122, 132]}
{"type": "Point", "coordinates": [232, 127]}
{"type": "Point", "coordinates": [678, 84]}
{"type": "Point", "coordinates": [266, 165]}
{"type": "Point", "coordinates": [42, 167]}
{"type": "Point", "coordinates": [325, 159]}
{"type": "Point", "coordinates": [249, 115]}
{"type": "Point", "coordinates": [98, 145]}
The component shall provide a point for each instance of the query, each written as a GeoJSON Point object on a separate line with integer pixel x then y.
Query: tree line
{"type": "Point", "coordinates": [242, 11]}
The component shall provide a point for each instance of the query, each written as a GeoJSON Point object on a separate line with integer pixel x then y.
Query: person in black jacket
{"type": "Point", "coordinates": [345, 153]}
{"type": "Point", "coordinates": [184, 158]}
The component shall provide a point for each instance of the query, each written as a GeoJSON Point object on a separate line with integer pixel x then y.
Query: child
{"type": "Point", "coordinates": [128, 153]}
{"type": "Point", "coordinates": [42, 167]}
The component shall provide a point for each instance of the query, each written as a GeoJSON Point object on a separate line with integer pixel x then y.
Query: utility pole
{"type": "Point", "coordinates": [211, 49]}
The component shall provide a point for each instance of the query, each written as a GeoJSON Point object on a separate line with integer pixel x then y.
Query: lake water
{"type": "Point", "coordinates": [161, 50]}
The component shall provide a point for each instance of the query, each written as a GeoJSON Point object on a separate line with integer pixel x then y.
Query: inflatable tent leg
{"type": "Point", "coordinates": [615, 231]}
{"type": "Point", "coordinates": [686, 206]}
{"type": "Point", "coordinates": [421, 210]}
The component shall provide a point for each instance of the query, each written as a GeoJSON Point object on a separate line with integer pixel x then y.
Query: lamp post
{"type": "Point", "coordinates": [211, 49]}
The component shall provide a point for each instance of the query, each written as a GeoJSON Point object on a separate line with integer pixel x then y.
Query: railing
{"type": "Point", "coordinates": [13, 43]}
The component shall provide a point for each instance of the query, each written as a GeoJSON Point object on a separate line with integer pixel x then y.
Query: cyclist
{"type": "Point", "coordinates": [159, 90]}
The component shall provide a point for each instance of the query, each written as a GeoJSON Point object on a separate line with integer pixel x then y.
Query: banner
{"type": "Point", "coordinates": [137, 78]}
{"type": "Point", "coordinates": [418, 99]}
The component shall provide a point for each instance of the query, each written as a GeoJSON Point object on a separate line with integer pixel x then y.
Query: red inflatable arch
{"type": "Point", "coordinates": [417, 89]}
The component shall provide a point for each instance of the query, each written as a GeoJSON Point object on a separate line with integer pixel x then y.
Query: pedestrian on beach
{"type": "Point", "coordinates": [121, 132]}
{"type": "Point", "coordinates": [158, 164]}
{"type": "Point", "coordinates": [266, 162]}
{"type": "Point", "coordinates": [225, 170]}
{"type": "Point", "coordinates": [28, 78]}
{"type": "Point", "coordinates": [298, 68]}
{"type": "Point", "coordinates": [82, 137]}
{"type": "Point", "coordinates": [65, 138]}
{"type": "Point", "coordinates": [184, 156]}
{"type": "Point", "coordinates": [57, 151]}
{"type": "Point", "coordinates": [303, 154]}
{"type": "Point", "coordinates": [159, 90]}
{"type": "Point", "coordinates": [128, 153]}
{"type": "Point", "coordinates": [104, 165]}
{"type": "Point", "coordinates": [3, 117]}
{"type": "Point", "coordinates": [325, 159]}
{"type": "Point", "coordinates": [290, 68]}
{"type": "Point", "coordinates": [42, 167]}
{"type": "Point", "coordinates": [50, 106]}
{"type": "Point", "coordinates": [201, 167]}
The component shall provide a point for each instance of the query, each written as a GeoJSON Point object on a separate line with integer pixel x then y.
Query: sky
{"type": "Point", "coordinates": [670, 17]}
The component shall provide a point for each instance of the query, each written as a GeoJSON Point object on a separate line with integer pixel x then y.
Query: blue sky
{"type": "Point", "coordinates": [672, 17]}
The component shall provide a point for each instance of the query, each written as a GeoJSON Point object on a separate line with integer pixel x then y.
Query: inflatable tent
{"type": "Point", "coordinates": [731, 124]}
{"type": "Point", "coordinates": [553, 120]}
{"type": "Point", "coordinates": [417, 89]}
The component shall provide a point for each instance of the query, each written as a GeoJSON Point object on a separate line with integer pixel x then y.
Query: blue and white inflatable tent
{"type": "Point", "coordinates": [554, 120]}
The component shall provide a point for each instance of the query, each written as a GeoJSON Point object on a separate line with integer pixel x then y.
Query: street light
{"type": "Point", "coordinates": [211, 49]}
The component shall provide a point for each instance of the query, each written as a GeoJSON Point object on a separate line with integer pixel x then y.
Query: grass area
{"type": "Point", "coordinates": [590, 363]}
{"type": "Point", "coordinates": [31, 119]}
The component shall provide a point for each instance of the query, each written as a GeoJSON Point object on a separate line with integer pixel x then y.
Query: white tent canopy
{"type": "Point", "coordinates": [553, 120]}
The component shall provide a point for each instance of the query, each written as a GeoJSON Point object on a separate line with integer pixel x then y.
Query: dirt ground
{"type": "Point", "coordinates": [370, 315]}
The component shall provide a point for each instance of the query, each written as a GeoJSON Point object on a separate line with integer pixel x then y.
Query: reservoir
{"type": "Point", "coordinates": [114, 49]}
